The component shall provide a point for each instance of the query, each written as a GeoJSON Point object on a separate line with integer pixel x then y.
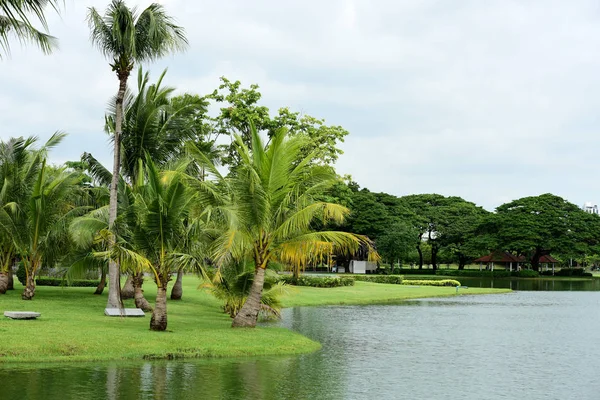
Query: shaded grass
{"type": "Point", "coordinates": [373, 293]}
{"type": "Point", "coordinates": [73, 328]}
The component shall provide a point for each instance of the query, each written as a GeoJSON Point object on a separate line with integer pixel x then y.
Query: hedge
{"type": "Point", "coordinates": [475, 273]}
{"type": "Point", "coordinates": [62, 282]}
{"type": "Point", "coordinates": [393, 279]}
{"type": "Point", "coordinates": [569, 272]}
{"type": "Point", "coordinates": [317, 281]}
{"type": "Point", "coordinates": [443, 282]}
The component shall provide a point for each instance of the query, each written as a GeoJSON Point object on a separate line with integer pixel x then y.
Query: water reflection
{"type": "Point", "coordinates": [533, 345]}
{"type": "Point", "coordinates": [552, 285]}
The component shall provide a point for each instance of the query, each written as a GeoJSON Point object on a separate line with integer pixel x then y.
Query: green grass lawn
{"type": "Point", "coordinates": [73, 327]}
{"type": "Point", "coordinates": [372, 293]}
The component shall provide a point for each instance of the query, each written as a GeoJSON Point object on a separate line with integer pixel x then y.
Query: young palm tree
{"type": "Point", "coordinates": [15, 19]}
{"type": "Point", "coordinates": [19, 166]}
{"type": "Point", "coordinates": [271, 196]}
{"type": "Point", "coordinates": [125, 38]}
{"type": "Point", "coordinates": [37, 223]}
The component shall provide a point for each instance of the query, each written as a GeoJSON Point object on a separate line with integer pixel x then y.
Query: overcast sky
{"type": "Point", "coordinates": [487, 100]}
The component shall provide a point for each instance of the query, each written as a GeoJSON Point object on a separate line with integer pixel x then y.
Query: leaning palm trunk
{"type": "Point", "coordinates": [177, 291]}
{"type": "Point", "coordinates": [138, 295]}
{"type": "Point", "coordinates": [3, 282]}
{"type": "Point", "coordinates": [159, 315]}
{"type": "Point", "coordinates": [102, 284]}
{"type": "Point", "coordinates": [248, 315]}
{"type": "Point", "coordinates": [114, 290]}
{"type": "Point", "coordinates": [29, 291]}
{"type": "Point", "coordinates": [127, 291]}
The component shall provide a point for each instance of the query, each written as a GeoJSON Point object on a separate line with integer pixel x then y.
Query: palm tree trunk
{"type": "Point", "coordinates": [159, 315]}
{"type": "Point", "coordinates": [29, 291]}
{"type": "Point", "coordinates": [11, 279]}
{"type": "Point", "coordinates": [3, 282]}
{"type": "Point", "coordinates": [102, 284]}
{"type": "Point", "coordinates": [114, 289]}
{"type": "Point", "coordinates": [177, 291]}
{"type": "Point", "coordinates": [248, 315]}
{"type": "Point", "coordinates": [127, 292]}
{"type": "Point", "coordinates": [138, 295]}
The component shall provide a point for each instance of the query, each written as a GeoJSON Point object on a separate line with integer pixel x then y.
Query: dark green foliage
{"type": "Point", "coordinates": [525, 273]}
{"type": "Point", "coordinates": [414, 271]}
{"type": "Point", "coordinates": [317, 281]}
{"type": "Point", "coordinates": [569, 272]}
{"type": "Point", "coordinates": [21, 273]}
{"type": "Point", "coordinates": [393, 279]}
{"type": "Point", "coordinates": [500, 273]}
{"type": "Point", "coordinates": [63, 282]}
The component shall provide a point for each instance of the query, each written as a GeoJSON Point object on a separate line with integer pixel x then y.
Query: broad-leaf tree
{"type": "Point", "coordinates": [126, 37]}
{"type": "Point", "coordinates": [538, 225]}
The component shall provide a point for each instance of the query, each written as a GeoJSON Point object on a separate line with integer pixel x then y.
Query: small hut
{"type": "Point", "coordinates": [548, 260]}
{"type": "Point", "coordinates": [503, 258]}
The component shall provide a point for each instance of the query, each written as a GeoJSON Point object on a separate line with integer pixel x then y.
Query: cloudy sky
{"type": "Point", "coordinates": [487, 100]}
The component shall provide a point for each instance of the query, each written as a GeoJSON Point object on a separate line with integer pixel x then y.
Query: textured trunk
{"type": "Point", "coordinates": [177, 291]}
{"type": "Point", "coordinates": [29, 291]}
{"type": "Point", "coordinates": [127, 291]}
{"type": "Point", "coordinates": [248, 315]}
{"type": "Point", "coordinates": [11, 279]}
{"type": "Point", "coordinates": [114, 289]}
{"type": "Point", "coordinates": [140, 300]}
{"type": "Point", "coordinates": [158, 322]}
{"type": "Point", "coordinates": [3, 282]}
{"type": "Point", "coordinates": [420, 256]}
{"type": "Point", "coordinates": [102, 284]}
{"type": "Point", "coordinates": [434, 252]}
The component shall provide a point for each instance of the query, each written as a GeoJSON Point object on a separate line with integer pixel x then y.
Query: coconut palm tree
{"type": "Point", "coordinates": [270, 209]}
{"type": "Point", "coordinates": [37, 222]}
{"type": "Point", "coordinates": [19, 165]}
{"type": "Point", "coordinates": [126, 37]}
{"type": "Point", "coordinates": [15, 19]}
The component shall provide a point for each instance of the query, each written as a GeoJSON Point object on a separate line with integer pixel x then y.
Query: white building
{"type": "Point", "coordinates": [589, 208]}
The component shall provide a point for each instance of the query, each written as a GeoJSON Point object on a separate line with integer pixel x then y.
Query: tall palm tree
{"type": "Point", "coordinates": [272, 207]}
{"type": "Point", "coordinates": [15, 19]}
{"type": "Point", "coordinates": [126, 37]}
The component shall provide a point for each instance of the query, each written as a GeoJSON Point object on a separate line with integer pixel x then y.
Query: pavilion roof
{"type": "Point", "coordinates": [548, 259]}
{"type": "Point", "coordinates": [500, 256]}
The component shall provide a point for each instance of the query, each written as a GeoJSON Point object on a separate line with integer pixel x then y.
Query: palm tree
{"type": "Point", "coordinates": [125, 38]}
{"type": "Point", "coordinates": [272, 206]}
{"type": "Point", "coordinates": [19, 164]}
{"type": "Point", "coordinates": [37, 222]}
{"type": "Point", "coordinates": [15, 18]}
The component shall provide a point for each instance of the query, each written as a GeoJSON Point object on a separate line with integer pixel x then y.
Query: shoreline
{"type": "Point", "coordinates": [72, 327]}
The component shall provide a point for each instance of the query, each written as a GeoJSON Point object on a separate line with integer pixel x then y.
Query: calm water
{"type": "Point", "coordinates": [592, 284]}
{"type": "Point", "coordinates": [524, 345]}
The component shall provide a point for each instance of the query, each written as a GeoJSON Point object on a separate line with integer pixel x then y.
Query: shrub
{"type": "Point", "coordinates": [318, 281]}
{"type": "Point", "coordinates": [393, 279]}
{"type": "Point", "coordinates": [62, 282]}
{"type": "Point", "coordinates": [442, 282]}
{"type": "Point", "coordinates": [413, 271]}
{"type": "Point", "coordinates": [21, 274]}
{"type": "Point", "coordinates": [475, 273]}
{"type": "Point", "coordinates": [526, 273]}
{"type": "Point", "coordinates": [570, 272]}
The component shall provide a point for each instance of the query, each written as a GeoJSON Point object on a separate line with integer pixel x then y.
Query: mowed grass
{"type": "Point", "coordinates": [73, 328]}
{"type": "Point", "coordinates": [373, 293]}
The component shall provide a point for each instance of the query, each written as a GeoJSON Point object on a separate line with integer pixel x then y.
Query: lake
{"type": "Point", "coordinates": [523, 345]}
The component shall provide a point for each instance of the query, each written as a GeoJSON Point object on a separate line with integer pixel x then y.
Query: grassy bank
{"type": "Point", "coordinates": [73, 328]}
{"type": "Point", "coordinates": [372, 293]}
